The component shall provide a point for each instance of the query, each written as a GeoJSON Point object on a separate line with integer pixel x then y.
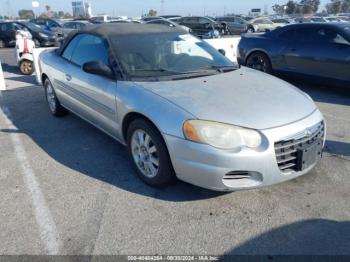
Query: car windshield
{"type": "Point", "coordinates": [168, 55]}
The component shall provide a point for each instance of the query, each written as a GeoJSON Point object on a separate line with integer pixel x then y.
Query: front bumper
{"type": "Point", "coordinates": [207, 167]}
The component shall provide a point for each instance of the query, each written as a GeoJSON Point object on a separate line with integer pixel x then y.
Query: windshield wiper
{"type": "Point", "coordinates": [202, 70]}
{"type": "Point", "coordinates": [224, 68]}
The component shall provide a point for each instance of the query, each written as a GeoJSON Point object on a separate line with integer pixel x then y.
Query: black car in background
{"type": "Point", "coordinates": [234, 25]}
{"type": "Point", "coordinates": [312, 49]}
{"type": "Point", "coordinates": [41, 37]}
{"type": "Point", "coordinates": [203, 27]}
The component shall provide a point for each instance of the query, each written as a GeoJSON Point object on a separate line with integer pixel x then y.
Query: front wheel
{"type": "Point", "coordinates": [250, 30]}
{"type": "Point", "coordinates": [259, 61]}
{"type": "Point", "coordinates": [149, 154]}
{"type": "Point", "coordinates": [54, 105]}
{"type": "Point", "coordinates": [26, 67]}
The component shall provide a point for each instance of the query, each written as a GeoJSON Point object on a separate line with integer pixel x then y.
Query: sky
{"type": "Point", "coordinates": [136, 7]}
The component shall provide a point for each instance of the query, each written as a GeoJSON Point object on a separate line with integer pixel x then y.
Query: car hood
{"type": "Point", "coordinates": [244, 97]}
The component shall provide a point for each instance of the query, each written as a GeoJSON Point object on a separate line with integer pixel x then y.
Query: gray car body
{"type": "Point", "coordinates": [244, 97]}
{"type": "Point", "coordinates": [235, 24]}
{"type": "Point", "coordinates": [296, 56]}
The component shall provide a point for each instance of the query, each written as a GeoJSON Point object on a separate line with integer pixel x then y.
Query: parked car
{"type": "Point", "coordinates": [182, 109]}
{"type": "Point", "coordinates": [150, 18]}
{"type": "Point", "coordinates": [262, 24]}
{"type": "Point", "coordinates": [171, 16]}
{"type": "Point", "coordinates": [318, 20]}
{"type": "Point", "coordinates": [200, 26]}
{"type": "Point", "coordinates": [100, 19]}
{"type": "Point", "coordinates": [166, 22]}
{"type": "Point", "coordinates": [234, 25]}
{"type": "Point", "coordinates": [280, 22]}
{"type": "Point", "coordinates": [300, 20]}
{"type": "Point", "coordinates": [331, 19]}
{"type": "Point", "coordinates": [69, 26]}
{"type": "Point", "coordinates": [47, 23]}
{"type": "Point", "coordinates": [344, 18]}
{"type": "Point", "coordinates": [40, 36]}
{"type": "Point", "coordinates": [314, 49]}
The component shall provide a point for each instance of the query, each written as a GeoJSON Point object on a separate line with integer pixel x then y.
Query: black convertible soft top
{"type": "Point", "coordinates": [107, 30]}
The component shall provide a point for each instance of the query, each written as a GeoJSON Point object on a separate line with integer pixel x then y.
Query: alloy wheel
{"type": "Point", "coordinates": [26, 67]}
{"type": "Point", "coordinates": [144, 153]}
{"type": "Point", "coordinates": [258, 62]}
{"type": "Point", "coordinates": [51, 97]}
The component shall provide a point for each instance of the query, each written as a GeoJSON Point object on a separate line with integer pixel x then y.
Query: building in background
{"type": "Point", "coordinates": [255, 12]}
{"type": "Point", "coordinates": [81, 9]}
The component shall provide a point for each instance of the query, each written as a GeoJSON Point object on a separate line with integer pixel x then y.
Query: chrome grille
{"type": "Point", "coordinates": [286, 150]}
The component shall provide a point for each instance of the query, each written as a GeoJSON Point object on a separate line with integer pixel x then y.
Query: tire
{"type": "Point", "coordinates": [26, 67]}
{"type": "Point", "coordinates": [250, 30]}
{"type": "Point", "coordinates": [55, 107]}
{"type": "Point", "coordinates": [259, 61]}
{"type": "Point", "coordinates": [149, 154]}
{"type": "Point", "coordinates": [2, 44]}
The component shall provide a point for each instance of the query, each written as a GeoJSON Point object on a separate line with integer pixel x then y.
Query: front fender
{"type": "Point", "coordinates": [166, 116]}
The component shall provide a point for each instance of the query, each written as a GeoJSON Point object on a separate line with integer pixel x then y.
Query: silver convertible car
{"type": "Point", "coordinates": [182, 108]}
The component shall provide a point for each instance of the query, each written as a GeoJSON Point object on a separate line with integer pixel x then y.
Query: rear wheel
{"type": "Point", "coordinates": [54, 105]}
{"type": "Point", "coordinates": [26, 67]}
{"type": "Point", "coordinates": [259, 61]}
{"type": "Point", "coordinates": [149, 154]}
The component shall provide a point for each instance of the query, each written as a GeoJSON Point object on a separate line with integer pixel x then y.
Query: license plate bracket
{"type": "Point", "coordinates": [309, 154]}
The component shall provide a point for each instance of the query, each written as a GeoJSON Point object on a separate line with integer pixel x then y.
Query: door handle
{"type": "Point", "coordinates": [68, 77]}
{"type": "Point", "coordinates": [293, 49]}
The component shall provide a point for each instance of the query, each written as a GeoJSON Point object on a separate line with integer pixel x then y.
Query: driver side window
{"type": "Point", "coordinates": [85, 48]}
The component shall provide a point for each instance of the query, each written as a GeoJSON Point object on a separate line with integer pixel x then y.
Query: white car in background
{"type": "Point", "coordinates": [262, 24]}
{"type": "Point", "coordinates": [280, 22]}
{"type": "Point", "coordinates": [166, 22]}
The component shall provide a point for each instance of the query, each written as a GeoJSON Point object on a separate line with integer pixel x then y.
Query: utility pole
{"type": "Point", "coordinates": [8, 8]}
{"type": "Point", "coordinates": [162, 7]}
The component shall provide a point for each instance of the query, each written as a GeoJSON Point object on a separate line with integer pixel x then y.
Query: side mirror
{"type": "Point", "coordinates": [222, 51]}
{"type": "Point", "coordinates": [97, 68]}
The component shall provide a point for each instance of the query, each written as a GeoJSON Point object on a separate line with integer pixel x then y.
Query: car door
{"type": "Point", "coordinates": [319, 51]}
{"type": "Point", "coordinates": [231, 25]}
{"type": "Point", "coordinates": [90, 96]}
{"type": "Point", "coordinates": [267, 25]}
{"type": "Point", "coordinates": [240, 25]}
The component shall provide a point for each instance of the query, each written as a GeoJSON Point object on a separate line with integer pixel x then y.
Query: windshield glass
{"type": "Point", "coordinates": [167, 54]}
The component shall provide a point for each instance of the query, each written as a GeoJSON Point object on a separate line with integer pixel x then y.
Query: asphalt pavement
{"type": "Point", "coordinates": [67, 188]}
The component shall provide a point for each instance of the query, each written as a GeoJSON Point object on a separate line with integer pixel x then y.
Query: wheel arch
{"type": "Point", "coordinates": [256, 50]}
{"type": "Point", "coordinates": [43, 78]}
{"type": "Point", "coordinates": [130, 117]}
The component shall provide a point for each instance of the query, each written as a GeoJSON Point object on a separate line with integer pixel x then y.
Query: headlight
{"type": "Point", "coordinates": [220, 135]}
{"type": "Point", "coordinates": [43, 35]}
